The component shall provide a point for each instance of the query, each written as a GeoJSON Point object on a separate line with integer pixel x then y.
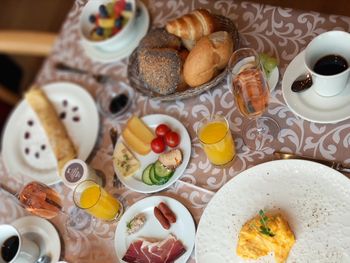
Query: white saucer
{"type": "Point", "coordinates": [43, 233]}
{"type": "Point", "coordinates": [308, 104]}
{"type": "Point", "coordinates": [83, 132]}
{"type": "Point", "coordinates": [273, 79]}
{"type": "Point", "coordinates": [141, 27]}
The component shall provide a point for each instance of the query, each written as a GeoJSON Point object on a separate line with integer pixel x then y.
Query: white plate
{"type": "Point", "coordinates": [308, 104]}
{"type": "Point", "coordinates": [183, 229]}
{"type": "Point", "coordinates": [83, 133]}
{"type": "Point", "coordinates": [134, 182]}
{"type": "Point", "coordinates": [273, 79]}
{"type": "Point", "coordinates": [141, 27]}
{"type": "Point", "coordinates": [41, 232]}
{"type": "Point", "coordinates": [314, 199]}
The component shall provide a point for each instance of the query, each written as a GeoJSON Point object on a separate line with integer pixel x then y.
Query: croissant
{"type": "Point", "coordinates": [192, 26]}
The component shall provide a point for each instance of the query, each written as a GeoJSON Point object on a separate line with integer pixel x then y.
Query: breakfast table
{"type": "Point", "coordinates": [280, 32]}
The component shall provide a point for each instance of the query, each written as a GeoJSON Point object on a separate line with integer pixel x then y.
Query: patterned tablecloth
{"type": "Point", "coordinates": [280, 32]}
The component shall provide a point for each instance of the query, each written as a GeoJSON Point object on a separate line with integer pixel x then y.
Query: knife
{"type": "Point", "coordinates": [333, 164]}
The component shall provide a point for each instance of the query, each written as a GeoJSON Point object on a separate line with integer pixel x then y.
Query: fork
{"type": "Point", "coordinates": [113, 134]}
{"type": "Point", "coordinates": [100, 78]}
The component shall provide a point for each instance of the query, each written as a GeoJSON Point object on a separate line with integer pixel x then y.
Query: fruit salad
{"type": "Point", "coordinates": [110, 19]}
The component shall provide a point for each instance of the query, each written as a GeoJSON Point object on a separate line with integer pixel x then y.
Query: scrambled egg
{"type": "Point", "coordinates": [253, 244]}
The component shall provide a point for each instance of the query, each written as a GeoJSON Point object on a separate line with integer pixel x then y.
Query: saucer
{"type": "Point", "coordinates": [273, 78]}
{"type": "Point", "coordinates": [141, 27]}
{"type": "Point", "coordinates": [309, 105]}
{"type": "Point", "coordinates": [43, 233]}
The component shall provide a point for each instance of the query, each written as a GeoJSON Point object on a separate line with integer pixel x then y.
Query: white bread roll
{"type": "Point", "coordinates": [210, 55]}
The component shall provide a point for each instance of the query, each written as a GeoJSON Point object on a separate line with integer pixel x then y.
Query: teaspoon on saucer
{"type": "Point", "coordinates": [302, 83]}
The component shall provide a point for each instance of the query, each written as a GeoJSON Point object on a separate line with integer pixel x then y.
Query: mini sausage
{"type": "Point", "coordinates": [167, 212]}
{"type": "Point", "coordinates": [161, 218]}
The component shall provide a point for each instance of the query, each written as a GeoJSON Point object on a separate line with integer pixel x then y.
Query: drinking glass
{"type": "Point", "coordinates": [216, 139]}
{"type": "Point", "coordinates": [91, 197]}
{"type": "Point", "coordinates": [42, 200]}
{"type": "Point", "coordinates": [251, 92]}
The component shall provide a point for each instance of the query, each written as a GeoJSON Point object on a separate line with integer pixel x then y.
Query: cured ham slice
{"type": "Point", "coordinates": [145, 251]}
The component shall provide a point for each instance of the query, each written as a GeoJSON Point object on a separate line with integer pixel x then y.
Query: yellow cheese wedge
{"type": "Point", "coordinates": [140, 129]}
{"type": "Point", "coordinates": [124, 161]}
{"type": "Point", "coordinates": [135, 143]}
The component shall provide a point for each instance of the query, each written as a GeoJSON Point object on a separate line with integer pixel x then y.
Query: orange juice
{"type": "Point", "coordinates": [217, 141]}
{"type": "Point", "coordinates": [97, 202]}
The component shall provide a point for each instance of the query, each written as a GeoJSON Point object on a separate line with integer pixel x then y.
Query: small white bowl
{"type": "Point", "coordinates": [112, 43]}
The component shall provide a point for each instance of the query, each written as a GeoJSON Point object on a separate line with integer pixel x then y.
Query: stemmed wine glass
{"type": "Point", "coordinates": [251, 92]}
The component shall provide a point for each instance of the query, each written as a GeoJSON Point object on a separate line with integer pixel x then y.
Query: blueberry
{"type": "Point", "coordinates": [118, 22]}
{"type": "Point", "coordinates": [99, 31]}
{"type": "Point", "coordinates": [103, 11]}
{"type": "Point", "coordinates": [92, 19]}
{"type": "Point", "coordinates": [128, 7]}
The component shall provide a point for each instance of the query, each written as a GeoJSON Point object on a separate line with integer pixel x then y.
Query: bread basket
{"type": "Point", "coordinates": [135, 82]}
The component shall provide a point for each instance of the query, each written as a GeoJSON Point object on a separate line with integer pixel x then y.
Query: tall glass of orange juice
{"type": "Point", "coordinates": [91, 197]}
{"type": "Point", "coordinates": [216, 139]}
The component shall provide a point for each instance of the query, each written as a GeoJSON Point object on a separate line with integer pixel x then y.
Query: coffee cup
{"type": "Point", "coordinates": [16, 248]}
{"type": "Point", "coordinates": [327, 58]}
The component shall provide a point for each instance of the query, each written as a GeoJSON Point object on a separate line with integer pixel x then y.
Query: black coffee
{"type": "Point", "coordinates": [9, 248]}
{"type": "Point", "coordinates": [118, 103]}
{"type": "Point", "coordinates": [330, 65]}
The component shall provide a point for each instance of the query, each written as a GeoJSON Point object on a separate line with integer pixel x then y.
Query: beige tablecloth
{"type": "Point", "coordinates": [280, 32]}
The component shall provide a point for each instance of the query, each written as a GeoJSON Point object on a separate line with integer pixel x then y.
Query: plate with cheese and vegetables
{"type": "Point", "coordinates": [152, 152]}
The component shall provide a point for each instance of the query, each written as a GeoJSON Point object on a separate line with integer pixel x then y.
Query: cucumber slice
{"type": "Point", "coordinates": [156, 179]}
{"type": "Point", "coordinates": [146, 175]}
{"type": "Point", "coordinates": [161, 171]}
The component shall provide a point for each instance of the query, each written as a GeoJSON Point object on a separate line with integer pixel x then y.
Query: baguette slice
{"type": "Point", "coordinates": [60, 142]}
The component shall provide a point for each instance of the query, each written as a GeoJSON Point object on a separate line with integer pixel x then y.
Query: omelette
{"type": "Point", "coordinates": [263, 234]}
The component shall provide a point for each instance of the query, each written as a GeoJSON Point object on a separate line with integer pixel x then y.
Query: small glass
{"type": "Point", "coordinates": [216, 139]}
{"type": "Point", "coordinates": [91, 197]}
{"type": "Point", "coordinates": [251, 92]}
{"type": "Point", "coordinates": [114, 99]}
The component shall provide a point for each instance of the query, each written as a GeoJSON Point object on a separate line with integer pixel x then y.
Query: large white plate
{"type": "Point", "coordinates": [83, 133]}
{"type": "Point", "coordinates": [134, 182]}
{"type": "Point", "coordinates": [183, 229]}
{"type": "Point", "coordinates": [41, 232]}
{"type": "Point", "coordinates": [141, 27]}
{"type": "Point", "coordinates": [308, 104]}
{"type": "Point", "coordinates": [314, 199]}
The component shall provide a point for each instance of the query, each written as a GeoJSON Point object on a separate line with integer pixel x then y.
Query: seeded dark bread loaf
{"type": "Point", "coordinates": [160, 69]}
{"type": "Point", "coordinates": [160, 38]}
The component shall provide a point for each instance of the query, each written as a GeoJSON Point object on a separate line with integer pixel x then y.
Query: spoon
{"type": "Point", "coordinates": [44, 259]}
{"type": "Point", "coordinates": [302, 83]}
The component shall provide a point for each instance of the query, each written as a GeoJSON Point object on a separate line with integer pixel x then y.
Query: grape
{"type": "Point", "coordinates": [268, 62]}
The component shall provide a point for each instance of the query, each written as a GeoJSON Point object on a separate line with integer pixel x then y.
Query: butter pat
{"type": "Point", "coordinates": [124, 161]}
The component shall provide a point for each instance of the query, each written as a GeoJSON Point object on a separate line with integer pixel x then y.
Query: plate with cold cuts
{"type": "Point", "coordinates": [25, 147]}
{"type": "Point", "coordinates": [313, 198]}
{"type": "Point", "coordinates": [182, 230]}
{"type": "Point", "coordinates": [134, 182]}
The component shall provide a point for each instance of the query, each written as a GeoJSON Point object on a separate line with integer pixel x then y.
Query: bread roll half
{"type": "Point", "coordinates": [210, 55]}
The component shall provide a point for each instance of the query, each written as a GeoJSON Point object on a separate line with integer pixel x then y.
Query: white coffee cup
{"type": "Point", "coordinates": [328, 43]}
{"type": "Point", "coordinates": [27, 252]}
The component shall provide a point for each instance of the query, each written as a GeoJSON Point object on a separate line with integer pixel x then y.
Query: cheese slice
{"type": "Point", "coordinates": [140, 129]}
{"type": "Point", "coordinates": [124, 161]}
{"type": "Point", "coordinates": [135, 143]}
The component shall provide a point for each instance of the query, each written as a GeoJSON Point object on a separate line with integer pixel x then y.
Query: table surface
{"type": "Point", "coordinates": [280, 32]}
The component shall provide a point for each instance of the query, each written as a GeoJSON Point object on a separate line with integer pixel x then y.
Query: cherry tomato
{"type": "Point", "coordinates": [172, 139]}
{"type": "Point", "coordinates": [162, 129]}
{"type": "Point", "coordinates": [158, 145]}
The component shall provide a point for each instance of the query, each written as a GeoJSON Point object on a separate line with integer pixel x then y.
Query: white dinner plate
{"type": "Point", "coordinates": [139, 31]}
{"type": "Point", "coordinates": [135, 182]}
{"type": "Point", "coordinates": [43, 233]}
{"type": "Point", "coordinates": [312, 197]}
{"type": "Point", "coordinates": [309, 105]}
{"type": "Point", "coordinates": [84, 132]}
{"type": "Point", "coordinates": [184, 228]}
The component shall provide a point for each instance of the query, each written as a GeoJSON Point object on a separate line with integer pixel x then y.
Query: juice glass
{"type": "Point", "coordinates": [216, 139]}
{"type": "Point", "coordinates": [91, 197]}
